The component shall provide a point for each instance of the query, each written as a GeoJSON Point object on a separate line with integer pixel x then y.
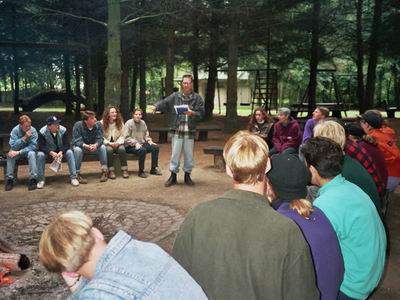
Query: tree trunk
{"type": "Point", "coordinates": [373, 54]}
{"type": "Point", "coordinates": [15, 62]}
{"type": "Point", "coordinates": [142, 84]}
{"type": "Point", "coordinates": [170, 61]}
{"type": "Point", "coordinates": [113, 70]}
{"type": "Point", "coordinates": [212, 66]}
{"type": "Point", "coordinates": [100, 87]}
{"type": "Point", "coordinates": [195, 58]}
{"type": "Point", "coordinates": [88, 80]}
{"type": "Point", "coordinates": [360, 57]}
{"type": "Point", "coordinates": [67, 76]}
{"type": "Point", "coordinates": [134, 83]}
{"type": "Point", "coordinates": [77, 88]}
{"type": "Point", "coordinates": [396, 84]}
{"type": "Point", "coordinates": [124, 107]}
{"type": "Point", "coordinates": [312, 85]}
{"type": "Point", "coordinates": [231, 119]}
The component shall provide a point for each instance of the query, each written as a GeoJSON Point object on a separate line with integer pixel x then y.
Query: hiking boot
{"type": "Point", "coordinates": [171, 180]}
{"type": "Point", "coordinates": [142, 174]}
{"type": "Point", "coordinates": [40, 184]}
{"type": "Point", "coordinates": [125, 174]}
{"type": "Point", "coordinates": [111, 175]}
{"type": "Point", "coordinates": [32, 184]}
{"type": "Point", "coordinates": [80, 179]}
{"type": "Point", "coordinates": [155, 171]}
{"type": "Point", "coordinates": [9, 185]}
{"type": "Point", "coordinates": [104, 176]}
{"type": "Point", "coordinates": [74, 182]}
{"type": "Point", "coordinates": [188, 180]}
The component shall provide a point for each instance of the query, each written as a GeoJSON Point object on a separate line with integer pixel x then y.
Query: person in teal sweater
{"type": "Point", "coordinates": [360, 231]}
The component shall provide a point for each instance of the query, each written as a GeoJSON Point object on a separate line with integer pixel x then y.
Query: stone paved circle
{"type": "Point", "coordinates": [24, 225]}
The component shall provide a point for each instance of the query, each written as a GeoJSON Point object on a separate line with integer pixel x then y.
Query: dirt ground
{"type": "Point", "coordinates": [209, 183]}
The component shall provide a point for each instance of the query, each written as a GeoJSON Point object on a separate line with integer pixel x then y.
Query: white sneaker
{"type": "Point", "coordinates": [74, 182]}
{"type": "Point", "coordinates": [40, 184]}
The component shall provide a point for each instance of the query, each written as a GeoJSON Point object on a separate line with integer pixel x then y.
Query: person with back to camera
{"type": "Point", "coordinates": [113, 132]}
{"type": "Point", "coordinates": [357, 224]}
{"type": "Point", "coordinates": [124, 268]}
{"type": "Point", "coordinates": [262, 124]}
{"type": "Point", "coordinates": [237, 246]}
{"type": "Point", "coordinates": [286, 190]}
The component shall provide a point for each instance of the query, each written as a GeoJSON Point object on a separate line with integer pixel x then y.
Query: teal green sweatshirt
{"type": "Point", "coordinates": [361, 234]}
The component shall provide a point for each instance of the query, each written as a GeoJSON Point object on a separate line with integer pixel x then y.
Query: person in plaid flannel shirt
{"type": "Point", "coordinates": [358, 152]}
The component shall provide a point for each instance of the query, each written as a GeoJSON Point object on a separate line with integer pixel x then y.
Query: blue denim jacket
{"type": "Point", "coordinates": [131, 269]}
{"type": "Point", "coordinates": [18, 144]}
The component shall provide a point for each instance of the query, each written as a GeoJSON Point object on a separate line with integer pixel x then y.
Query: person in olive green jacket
{"type": "Point", "coordinates": [237, 246]}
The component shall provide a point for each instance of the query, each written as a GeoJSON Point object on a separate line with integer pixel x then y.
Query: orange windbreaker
{"type": "Point", "coordinates": [387, 143]}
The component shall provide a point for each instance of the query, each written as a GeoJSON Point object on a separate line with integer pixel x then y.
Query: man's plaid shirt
{"type": "Point", "coordinates": [357, 152]}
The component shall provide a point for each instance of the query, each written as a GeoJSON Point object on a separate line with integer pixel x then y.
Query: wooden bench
{"type": "Point", "coordinates": [217, 151]}
{"type": "Point", "coordinates": [201, 129]}
{"type": "Point", "coordinates": [390, 110]}
{"type": "Point", "coordinates": [86, 157]}
{"type": "Point", "coordinates": [335, 109]}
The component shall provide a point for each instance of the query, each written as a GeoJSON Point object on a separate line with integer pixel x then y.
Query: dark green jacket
{"type": "Point", "coordinates": [238, 247]}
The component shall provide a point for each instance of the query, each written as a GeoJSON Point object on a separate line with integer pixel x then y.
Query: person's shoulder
{"type": "Point", "coordinates": [78, 124]}
{"type": "Point", "coordinates": [44, 129]}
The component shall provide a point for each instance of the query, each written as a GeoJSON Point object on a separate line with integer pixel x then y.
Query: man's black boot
{"type": "Point", "coordinates": [171, 180]}
{"type": "Point", "coordinates": [9, 185]}
{"type": "Point", "coordinates": [188, 180]}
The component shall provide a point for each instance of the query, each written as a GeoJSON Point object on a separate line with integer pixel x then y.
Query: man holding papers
{"type": "Point", "coordinates": [185, 108]}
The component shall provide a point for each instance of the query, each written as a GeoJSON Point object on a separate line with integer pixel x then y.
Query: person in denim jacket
{"type": "Point", "coordinates": [124, 268]}
{"type": "Point", "coordinates": [23, 143]}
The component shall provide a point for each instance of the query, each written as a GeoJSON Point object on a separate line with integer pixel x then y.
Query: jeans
{"type": "Point", "coordinates": [101, 152]}
{"type": "Point", "coordinates": [121, 154]}
{"type": "Point", "coordinates": [393, 182]}
{"type": "Point", "coordinates": [41, 161]}
{"type": "Point", "coordinates": [31, 156]}
{"type": "Point", "coordinates": [343, 296]}
{"type": "Point", "coordinates": [177, 144]}
{"type": "Point", "coordinates": [146, 148]}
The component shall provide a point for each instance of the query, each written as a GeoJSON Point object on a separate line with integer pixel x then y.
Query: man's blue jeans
{"type": "Point", "coordinates": [101, 152]}
{"type": "Point", "coordinates": [146, 148]}
{"type": "Point", "coordinates": [31, 156]}
{"type": "Point", "coordinates": [41, 161]}
{"type": "Point", "coordinates": [179, 144]}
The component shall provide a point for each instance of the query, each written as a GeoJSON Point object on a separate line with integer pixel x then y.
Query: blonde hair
{"type": "Point", "coordinates": [331, 130]}
{"type": "Point", "coordinates": [302, 206]}
{"type": "Point", "coordinates": [23, 119]}
{"type": "Point", "coordinates": [66, 242]}
{"type": "Point", "coordinates": [246, 155]}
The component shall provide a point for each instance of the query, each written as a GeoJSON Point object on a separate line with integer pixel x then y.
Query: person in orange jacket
{"type": "Point", "coordinates": [374, 125]}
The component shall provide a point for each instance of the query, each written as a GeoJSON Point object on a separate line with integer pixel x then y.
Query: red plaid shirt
{"type": "Point", "coordinates": [358, 152]}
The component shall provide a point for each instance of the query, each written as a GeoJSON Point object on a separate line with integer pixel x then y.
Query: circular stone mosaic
{"type": "Point", "coordinates": [23, 226]}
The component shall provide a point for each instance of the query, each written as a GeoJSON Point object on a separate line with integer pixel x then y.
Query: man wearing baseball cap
{"type": "Point", "coordinates": [374, 125]}
{"type": "Point", "coordinates": [53, 142]}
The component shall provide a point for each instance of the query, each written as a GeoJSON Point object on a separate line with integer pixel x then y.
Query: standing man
{"type": "Point", "coordinates": [183, 126]}
{"type": "Point", "coordinates": [138, 141]}
{"type": "Point", "coordinates": [53, 141]}
{"type": "Point", "coordinates": [23, 143]}
{"type": "Point", "coordinates": [87, 137]}
{"type": "Point", "coordinates": [237, 246]}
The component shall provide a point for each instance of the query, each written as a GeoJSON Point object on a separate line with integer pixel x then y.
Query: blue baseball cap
{"type": "Point", "coordinates": [53, 120]}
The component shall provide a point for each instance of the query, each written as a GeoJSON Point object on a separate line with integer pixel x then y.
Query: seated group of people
{"type": "Point", "coordinates": [104, 138]}
{"type": "Point", "coordinates": [369, 141]}
{"type": "Point", "coordinates": [260, 240]}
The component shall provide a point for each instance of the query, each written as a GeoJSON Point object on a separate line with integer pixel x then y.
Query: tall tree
{"type": "Point", "coordinates": [360, 55]}
{"type": "Point", "coordinates": [373, 55]}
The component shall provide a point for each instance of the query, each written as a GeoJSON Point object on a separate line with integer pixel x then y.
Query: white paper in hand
{"type": "Point", "coordinates": [56, 165]}
{"type": "Point", "coordinates": [181, 109]}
